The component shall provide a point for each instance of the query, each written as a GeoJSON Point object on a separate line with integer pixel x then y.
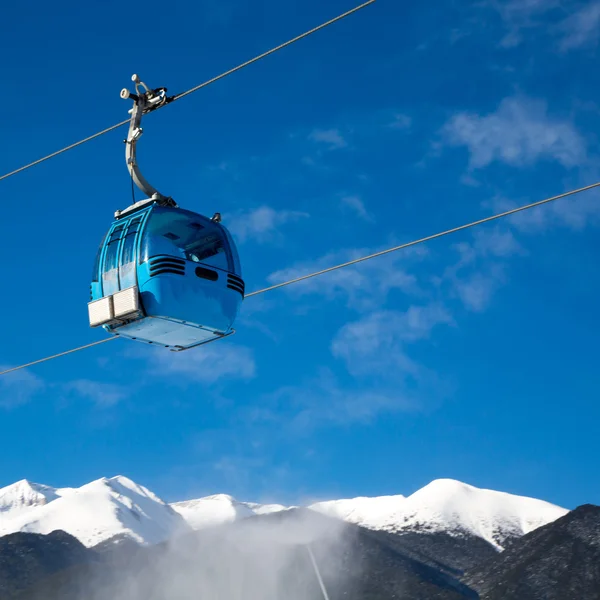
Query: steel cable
{"type": "Point", "coordinates": [354, 262]}
{"type": "Point", "coordinates": [191, 90]}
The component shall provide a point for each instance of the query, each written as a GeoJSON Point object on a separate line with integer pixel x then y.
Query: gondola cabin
{"type": "Point", "coordinates": [166, 276]}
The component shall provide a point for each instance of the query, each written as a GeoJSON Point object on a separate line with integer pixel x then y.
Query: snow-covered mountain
{"type": "Point", "coordinates": [449, 506]}
{"type": "Point", "coordinates": [221, 508]}
{"type": "Point", "coordinates": [93, 513]}
{"type": "Point", "coordinates": [444, 505]}
{"type": "Point", "coordinates": [106, 508]}
{"type": "Point", "coordinates": [22, 496]}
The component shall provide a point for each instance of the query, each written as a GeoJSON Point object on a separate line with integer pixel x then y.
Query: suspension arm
{"type": "Point", "coordinates": [145, 100]}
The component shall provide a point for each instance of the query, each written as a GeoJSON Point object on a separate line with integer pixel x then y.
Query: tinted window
{"type": "Point", "coordinates": [127, 275]}
{"type": "Point", "coordinates": [112, 252]}
{"type": "Point", "coordinates": [129, 243]}
{"type": "Point", "coordinates": [110, 273]}
{"type": "Point", "coordinates": [180, 233]}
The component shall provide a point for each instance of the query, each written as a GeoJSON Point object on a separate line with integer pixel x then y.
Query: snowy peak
{"type": "Point", "coordinates": [124, 487]}
{"type": "Point", "coordinates": [266, 509]}
{"type": "Point", "coordinates": [95, 512]}
{"type": "Point", "coordinates": [381, 512]}
{"type": "Point", "coordinates": [444, 505]}
{"type": "Point", "coordinates": [24, 495]}
{"type": "Point", "coordinates": [117, 507]}
{"type": "Point", "coordinates": [494, 516]}
{"type": "Point", "coordinates": [212, 510]}
{"type": "Point", "coordinates": [449, 506]}
{"type": "Point", "coordinates": [221, 508]}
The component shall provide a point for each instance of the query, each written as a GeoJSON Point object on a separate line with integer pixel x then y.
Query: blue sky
{"type": "Point", "coordinates": [473, 357]}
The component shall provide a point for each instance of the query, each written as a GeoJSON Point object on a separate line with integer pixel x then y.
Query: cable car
{"type": "Point", "coordinates": [164, 275]}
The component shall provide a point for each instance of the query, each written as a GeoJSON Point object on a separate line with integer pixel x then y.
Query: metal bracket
{"type": "Point", "coordinates": [145, 101]}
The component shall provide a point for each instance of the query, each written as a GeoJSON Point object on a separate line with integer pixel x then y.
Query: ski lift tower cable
{"type": "Point", "coordinates": [193, 89]}
{"type": "Point", "coordinates": [352, 262]}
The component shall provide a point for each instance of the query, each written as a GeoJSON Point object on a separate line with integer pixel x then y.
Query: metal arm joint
{"type": "Point", "coordinates": [145, 100]}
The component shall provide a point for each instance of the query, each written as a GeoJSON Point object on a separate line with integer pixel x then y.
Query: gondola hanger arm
{"type": "Point", "coordinates": [193, 89]}
{"type": "Point", "coordinates": [145, 100]}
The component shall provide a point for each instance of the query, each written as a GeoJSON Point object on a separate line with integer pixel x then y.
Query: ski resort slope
{"type": "Point", "coordinates": [93, 513]}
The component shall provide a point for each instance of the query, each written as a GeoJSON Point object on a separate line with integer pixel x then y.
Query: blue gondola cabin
{"type": "Point", "coordinates": [166, 276]}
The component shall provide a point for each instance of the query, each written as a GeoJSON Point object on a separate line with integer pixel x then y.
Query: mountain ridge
{"type": "Point", "coordinates": [556, 561]}
{"type": "Point", "coordinates": [452, 506]}
{"type": "Point", "coordinates": [115, 507]}
{"type": "Point", "coordinates": [268, 553]}
{"type": "Point", "coordinates": [92, 513]}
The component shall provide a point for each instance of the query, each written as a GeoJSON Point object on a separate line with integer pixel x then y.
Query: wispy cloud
{"type": "Point", "coordinates": [480, 270]}
{"type": "Point", "coordinates": [207, 365]}
{"type": "Point", "coordinates": [519, 133]}
{"type": "Point", "coordinates": [519, 16]}
{"type": "Point", "coordinates": [261, 224]}
{"type": "Point", "coordinates": [581, 28]}
{"type": "Point", "coordinates": [476, 290]}
{"type": "Point", "coordinates": [323, 400]}
{"type": "Point", "coordinates": [384, 377]}
{"type": "Point", "coordinates": [331, 138]}
{"type": "Point", "coordinates": [575, 213]}
{"type": "Point", "coordinates": [103, 395]}
{"type": "Point", "coordinates": [497, 242]}
{"type": "Point", "coordinates": [376, 343]}
{"type": "Point", "coordinates": [362, 287]}
{"type": "Point", "coordinates": [400, 121]}
{"type": "Point", "coordinates": [18, 388]}
{"type": "Point", "coordinates": [358, 206]}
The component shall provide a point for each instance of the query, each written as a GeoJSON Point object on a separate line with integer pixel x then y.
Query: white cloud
{"type": "Point", "coordinates": [324, 400]}
{"type": "Point", "coordinates": [18, 388]}
{"type": "Point", "coordinates": [480, 270]}
{"type": "Point", "coordinates": [497, 242]}
{"type": "Point", "coordinates": [477, 289]}
{"type": "Point", "coordinates": [374, 350]}
{"type": "Point", "coordinates": [223, 167]}
{"type": "Point", "coordinates": [524, 10]}
{"type": "Point", "coordinates": [400, 121]}
{"type": "Point", "coordinates": [581, 28]}
{"type": "Point", "coordinates": [207, 364]}
{"type": "Point", "coordinates": [575, 213]}
{"type": "Point", "coordinates": [332, 138]}
{"type": "Point", "coordinates": [102, 394]}
{"type": "Point", "coordinates": [520, 15]}
{"type": "Point", "coordinates": [376, 343]}
{"type": "Point", "coordinates": [358, 206]}
{"type": "Point", "coordinates": [519, 133]}
{"type": "Point", "coordinates": [364, 286]}
{"type": "Point", "coordinates": [260, 224]}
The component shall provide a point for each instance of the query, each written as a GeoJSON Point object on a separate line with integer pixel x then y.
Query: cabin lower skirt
{"type": "Point", "coordinates": [167, 333]}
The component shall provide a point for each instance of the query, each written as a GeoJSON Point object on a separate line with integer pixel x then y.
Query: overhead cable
{"type": "Point", "coordinates": [191, 90]}
{"type": "Point", "coordinates": [423, 239]}
{"type": "Point", "coordinates": [356, 261]}
{"type": "Point", "coordinates": [47, 358]}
